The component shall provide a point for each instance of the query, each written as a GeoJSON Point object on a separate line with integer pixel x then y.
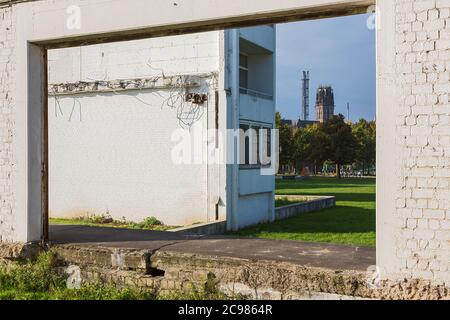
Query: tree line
{"type": "Point", "coordinates": [334, 141]}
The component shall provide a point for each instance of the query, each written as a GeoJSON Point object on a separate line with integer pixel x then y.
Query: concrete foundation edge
{"type": "Point", "coordinates": [271, 280]}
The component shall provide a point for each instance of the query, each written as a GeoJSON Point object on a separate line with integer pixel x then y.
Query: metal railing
{"type": "Point", "coordinates": [255, 93]}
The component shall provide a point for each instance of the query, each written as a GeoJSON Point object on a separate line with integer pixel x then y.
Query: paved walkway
{"type": "Point", "coordinates": [335, 257]}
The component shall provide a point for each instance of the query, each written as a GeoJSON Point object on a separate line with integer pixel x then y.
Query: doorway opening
{"type": "Point", "coordinates": [118, 117]}
{"type": "Point", "coordinates": [71, 108]}
{"type": "Point", "coordinates": [326, 116]}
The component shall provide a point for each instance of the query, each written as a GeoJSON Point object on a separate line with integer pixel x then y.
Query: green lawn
{"type": "Point", "coordinates": [352, 221]}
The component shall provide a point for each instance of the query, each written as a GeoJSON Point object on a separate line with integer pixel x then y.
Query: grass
{"type": "Point", "coordinates": [351, 222]}
{"type": "Point", "coordinates": [150, 223]}
{"type": "Point", "coordinates": [39, 280]}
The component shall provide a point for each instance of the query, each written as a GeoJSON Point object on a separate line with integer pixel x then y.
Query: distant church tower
{"type": "Point", "coordinates": [324, 104]}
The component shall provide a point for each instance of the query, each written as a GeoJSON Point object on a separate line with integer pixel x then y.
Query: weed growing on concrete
{"type": "Point", "coordinates": [147, 223]}
{"type": "Point", "coordinates": [150, 223]}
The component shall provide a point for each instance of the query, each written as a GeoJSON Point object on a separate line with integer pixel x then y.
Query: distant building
{"type": "Point", "coordinates": [324, 108]}
{"type": "Point", "coordinates": [299, 124]}
{"type": "Point", "coordinates": [289, 123]}
{"type": "Point", "coordinates": [324, 103]}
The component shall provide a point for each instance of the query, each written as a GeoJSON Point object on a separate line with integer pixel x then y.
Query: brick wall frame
{"type": "Point", "coordinates": [413, 65]}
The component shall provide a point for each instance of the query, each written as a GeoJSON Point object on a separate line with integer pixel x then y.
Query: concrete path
{"type": "Point", "coordinates": [334, 257]}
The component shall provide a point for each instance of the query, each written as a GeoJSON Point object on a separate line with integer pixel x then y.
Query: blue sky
{"type": "Point", "coordinates": [339, 52]}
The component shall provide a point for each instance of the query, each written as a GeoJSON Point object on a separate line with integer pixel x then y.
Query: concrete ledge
{"type": "Point", "coordinates": [211, 228]}
{"type": "Point", "coordinates": [290, 177]}
{"type": "Point", "coordinates": [255, 279]}
{"type": "Point", "coordinates": [182, 265]}
{"type": "Point", "coordinates": [103, 257]}
{"type": "Point", "coordinates": [306, 204]}
{"type": "Point", "coordinates": [286, 281]}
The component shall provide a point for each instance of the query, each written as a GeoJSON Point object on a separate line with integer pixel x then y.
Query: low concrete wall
{"type": "Point", "coordinates": [165, 271]}
{"type": "Point", "coordinates": [306, 204]}
{"type": "Point", "coordinates": [212, 228]}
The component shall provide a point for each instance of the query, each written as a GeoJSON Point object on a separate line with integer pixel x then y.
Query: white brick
{"type": "Point", "coordinates": [424, 5]}
{"type": "Point", "coordinates": [434, 214]}
{"type": "Point", "coordinates": [434, 25]}
{"type": "Point", "coordinates": [443, 44]}
{"type": "Point", "coordinates": [442, 4]}
{"type": "Point", "coordinates": [445, 224]}
{"type": "Point", "coordinates": [423, 234]}
{"type": "Point", "coordinates": [423, 193]}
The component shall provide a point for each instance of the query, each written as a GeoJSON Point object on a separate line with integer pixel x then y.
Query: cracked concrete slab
{"type": "Point", "coordinates": [268, 269]}
{"type": "Point", "coordinates": [327, 256]}
{"type": "Point", "coordinates": [114, 237]}
{"type": "Point", "coordinates": [320, 255]}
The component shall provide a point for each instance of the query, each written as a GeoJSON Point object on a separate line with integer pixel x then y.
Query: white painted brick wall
{"type": "Point", "coordinates": [116, 159]}
{"type": "Point", "coordinates": [184, 54]}
{"type": "Point", "coordinates": [422, 184]}
{"type": "Point", "coordinates": [423, 52]}
{"type": "Point", "coordinates": [6, 125]}
{"type": "Point", "coordinates": [114, 154]}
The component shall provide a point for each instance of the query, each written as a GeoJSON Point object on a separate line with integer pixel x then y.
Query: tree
{"type": "Point", "coordinates": [365, 135]}
{"type": "Point", "coordinates": [340, 144]}
{"type": "Point", "coordinates": [310, 145]}
{"type": "Point", "coordinates": [320, 145]}
{"type": "Point", "coordinates": [278, 120]}
{"type": "Point", "coordinates": [302, 147]}
{"type": "Point", "coordinates": [286, 146]}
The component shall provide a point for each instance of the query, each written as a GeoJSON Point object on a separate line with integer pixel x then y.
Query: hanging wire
{"type": "Point", "coordinates": [187, 112]}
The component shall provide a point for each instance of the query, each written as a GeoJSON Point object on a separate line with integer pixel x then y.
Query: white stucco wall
{"type": "Point", "coordinates": [256, 191]}
{"type": "Point", "coordinates": [264, 36]}
{"type": "Point", "coordinates": [255, 209]}
{"type": "Point", "coordinates": [110, 153]}
{"type": "Point", "coordinates": [256, 197]}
